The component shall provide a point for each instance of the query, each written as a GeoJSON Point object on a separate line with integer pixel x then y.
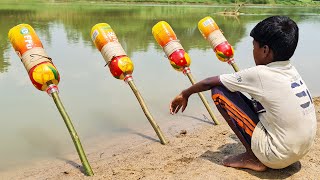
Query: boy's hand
{"type": "Point", "coordinates": [177, 103]}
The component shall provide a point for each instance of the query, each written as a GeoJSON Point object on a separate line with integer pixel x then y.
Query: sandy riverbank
{"type": "Point", "coordinates": [192, 154]}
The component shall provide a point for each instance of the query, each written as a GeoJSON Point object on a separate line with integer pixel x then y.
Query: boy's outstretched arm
{"type": "Point", "coordinates": [181, 101]}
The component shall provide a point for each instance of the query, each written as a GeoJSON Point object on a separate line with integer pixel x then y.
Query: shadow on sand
{"type": "Point", "coordinates": [236, 148]}
{"type": "Point", "coordinates": [205, 119]}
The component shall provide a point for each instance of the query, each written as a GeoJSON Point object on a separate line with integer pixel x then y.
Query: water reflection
{"type": "Point", "coordinates": [98, 103]}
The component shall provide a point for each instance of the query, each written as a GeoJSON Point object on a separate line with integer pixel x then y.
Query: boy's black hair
{"type": "Point", "coordinates": [280, 33]}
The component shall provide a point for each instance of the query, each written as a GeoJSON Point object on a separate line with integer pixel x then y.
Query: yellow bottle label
{"type": "Point", "coordinates": [206, 26]}
{"type": "Point", "coordinates": [163, 33]}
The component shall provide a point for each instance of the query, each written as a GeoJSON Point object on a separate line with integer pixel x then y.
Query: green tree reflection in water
{"type": "Point", "coordinates": [132, 24]}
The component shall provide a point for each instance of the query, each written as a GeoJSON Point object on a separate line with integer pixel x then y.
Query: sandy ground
{"type": "Point", "coordinates": [191, 154]}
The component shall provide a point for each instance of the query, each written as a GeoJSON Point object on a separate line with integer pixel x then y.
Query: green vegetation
{"type": "Point", "coordinates": [132, 24]}
{"type": "Point", "coordinates": [203, 2]}
{"type": "Point", "coordinates": [217, 2]}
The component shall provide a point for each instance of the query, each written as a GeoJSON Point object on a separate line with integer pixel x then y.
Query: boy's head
{"type": "Point", "coordinates": [277, 35]}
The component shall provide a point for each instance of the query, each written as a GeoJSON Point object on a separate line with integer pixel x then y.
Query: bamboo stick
{"type": "Point", "coordinates": [73, 134]}
{"type": "Point", "coordinates": [205, 102]}
{"type": "Point", "coordinates": [235, 67]}
{"type": "Point", "coordinates": [147, 113]}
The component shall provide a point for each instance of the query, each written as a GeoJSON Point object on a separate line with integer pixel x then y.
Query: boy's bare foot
{"type": "Point", "coordinates": [244, 160]}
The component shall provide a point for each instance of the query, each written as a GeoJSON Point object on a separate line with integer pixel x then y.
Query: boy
{"type": "Point", "coordinates": [279, 131]}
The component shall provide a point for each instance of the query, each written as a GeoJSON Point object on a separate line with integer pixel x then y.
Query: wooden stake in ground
{"type": "Point", "coordinates": [179, 59]}
{"type": "Point", "coordinates": [120, 65]}
{"type": "Point", "coordinates": [44, 76]}
{"type": "Point", "coordinates": [212, 33]}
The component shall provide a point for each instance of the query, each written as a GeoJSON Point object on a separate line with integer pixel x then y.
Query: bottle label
{"type": "Point", "coordinates": [34, 57]}
{"type": "Point", "coordinates": [208, 22]}
{"type": "Point", "coordinates": [171, 47]}
{"type": "Point", "coordinates": [112, 49]}
{"type": "Point", "coordinates": [215, 38]}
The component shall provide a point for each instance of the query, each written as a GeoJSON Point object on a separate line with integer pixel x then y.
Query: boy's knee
{"type": "Point", "coordinates": [217, 91]}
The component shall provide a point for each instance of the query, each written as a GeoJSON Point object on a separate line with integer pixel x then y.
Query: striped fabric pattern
{"type": "Point", "coordinates": [242, 120]}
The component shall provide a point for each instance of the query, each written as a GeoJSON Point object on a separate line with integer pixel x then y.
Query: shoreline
{"type": "Point", "coordinates": [104, 146]}
{"type": "Point", "coordinates": [149, 3]}
{"type": "Point", "coordinates": [195, 153]}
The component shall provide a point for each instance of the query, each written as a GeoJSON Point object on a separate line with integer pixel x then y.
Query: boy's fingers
{"type": "Point", "coordinates": [173, 108]}
{"type": "Point", "coordinates": [175, 105]}
{"type": "Point", "coordinates": [170, 108]}
{"type": "Point", "coordinates": [183, 108]}
{"type": "Point", "coordinates": [177, 109]}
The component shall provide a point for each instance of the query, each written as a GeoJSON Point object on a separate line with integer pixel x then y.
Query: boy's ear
{"type": "Point", "coordinates": [266, 49]}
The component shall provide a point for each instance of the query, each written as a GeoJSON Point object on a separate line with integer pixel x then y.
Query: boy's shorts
{"type": "Point", "coordinates": [242, 112]}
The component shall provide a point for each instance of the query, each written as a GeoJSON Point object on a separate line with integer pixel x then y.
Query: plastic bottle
{"type": "Point", "coordinates": [167, 39]}
{"type": "Point", "coordinates": [211, 32]}
{"type": "Point", "coordinates": [116, 58]}
{"type": "Point", "coordinates": [39, 66]}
